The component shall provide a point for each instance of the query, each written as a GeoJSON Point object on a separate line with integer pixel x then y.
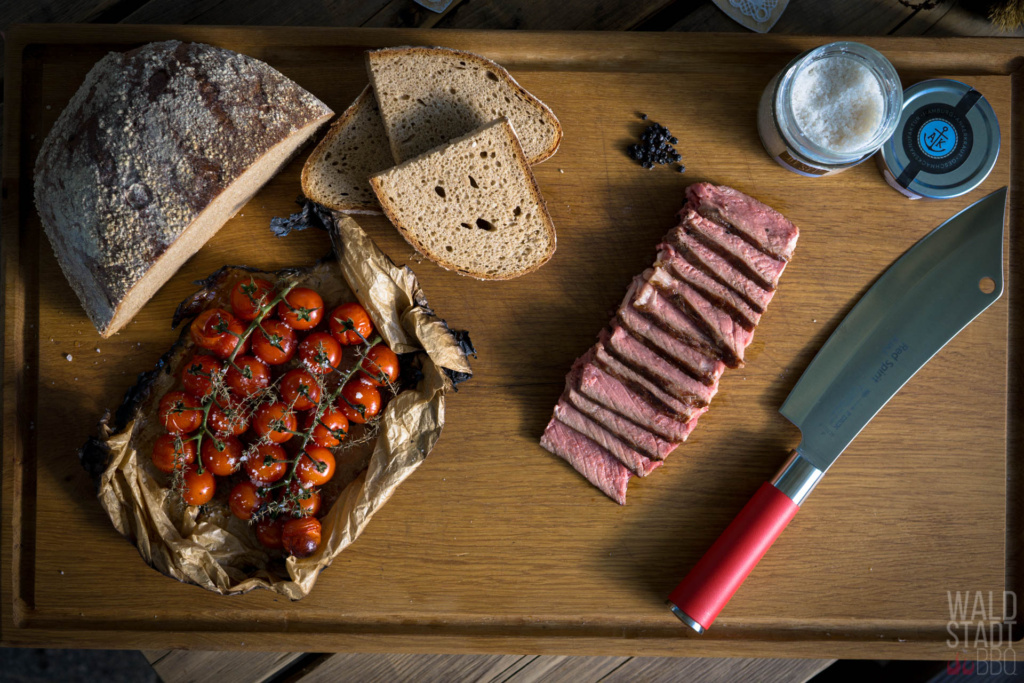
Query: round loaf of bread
{"type": "Point", "coordinates": [157, 149]}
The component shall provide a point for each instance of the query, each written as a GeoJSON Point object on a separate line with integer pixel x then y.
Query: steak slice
{"type": "Point", "coordinates": [654, 394]}
{"type": "Point", "coordinates": [602, 388]}
{"type": "Point", "coordinates": [711, 289]}
{"type": "Point", "coordinates": [634, 353]}
{"type": "Point", "coordinates": [706, 369]}
{"type": "Point", "coordinates": [763, 268]}
{"type": "Point", "coordinates": [711, 263]}
{"type": "Point", "coordinates": [758, 223]}
{"type": "Point", "coordinates": [636, 436]}
{"type": "Point", "coordinates": [727, 333]}
{"type": "Point", "coordinates": [637, 463]}
{"type": "Point", "coordinates": [650, 300]}
{"type": "Point", "coordinates": [588, 458]}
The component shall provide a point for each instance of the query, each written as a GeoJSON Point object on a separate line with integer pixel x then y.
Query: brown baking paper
{"type": "Point", "coordinates": [210, 547]}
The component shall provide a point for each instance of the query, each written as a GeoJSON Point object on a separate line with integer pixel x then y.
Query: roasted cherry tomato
{"type": "Point", "coordinates": [268, 464]}
{"type": "Point", "coordinates": [380, 363]}
{"type": "Point", "coordinates": [227, 420]}
{"type": "Point", "coordinates": [273, 342]}
{"type": "Point", "coordinates": [316, 467]}
{"type": "Point", "coordinates": [359, 401]}
{"type": "Point", "coordinates": [249, 296]}
{"type": "Point", "coordinates": [306, 501]}
{"type": "Point", "coordinates": [348, 319]}
{"type": "Point", "coordinates": [330, 429]}
{"type": "Point", "coordinates": [168, 451]}
{"type": "Point", "coordinates": [320, 352]}
{"type": "Point", "coordinates": [244, 499]}
{"type": "Point", "coordinates": [301, 309]}
{"type": "Point", "coordinates": [218, 331]}
{"type": "Point", "coordinates": [197, 487]}
{"type": "Point", "coordinates": [198, 373]}
{"type": "Point", "coordinates": [180, 412]}
{"type": "Point", "coordinates": [268, 532]}
{"type": "Point", "coordinates": [223, 461]}
{"type": "Point", "coordinates": [275, 421]}
{"type": "Point", "coordinates": [301, 537]}
{"type": "Point", "coordinates": [299, 389]}
{"type": "Point", "coordinates": [247, 376]}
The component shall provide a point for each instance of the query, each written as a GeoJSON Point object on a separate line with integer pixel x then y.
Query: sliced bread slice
{"type": "Point", "coordinates": [337, 173]}
{"type": "Point", "coordinates": [430, 95]}
{"type": "Point", "coordinates": [471, 205]}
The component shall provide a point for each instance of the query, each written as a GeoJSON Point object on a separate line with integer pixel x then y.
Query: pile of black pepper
{"type": "Point", "coordinates": [655, 147]}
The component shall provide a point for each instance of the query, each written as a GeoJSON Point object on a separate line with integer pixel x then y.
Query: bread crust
{"type": "Point", "coordinates": [149, 140]}
{"type": "Point", "coordinates": [534, 190]}
{"type": "Point", "coordinates": [500, 71]}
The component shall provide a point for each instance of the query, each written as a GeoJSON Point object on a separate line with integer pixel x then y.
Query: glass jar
{"type": "Point", "coordinates": [791, 147]}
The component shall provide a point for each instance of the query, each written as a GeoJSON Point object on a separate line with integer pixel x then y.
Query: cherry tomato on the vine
{"type": "Point", "coordinates": [198, 373]}
{"type": "Point", "coordinates": [180, 412]}
{"type": "Point", "coordinates": [248, 375]}
{"type": "Point", "coordinates": [268, 532]}
{"type": "Point", "coordinates": [249, 296]}
{"type": "Point", "coordinates": [227, 419]}
{"type": "Point", "coordinates": [359, 401]}
{"type": "Point", "coordinates": [301, 537]}
{"type": "Point", "coordinates": [244, 499]}
{"type": "Point", "coordinates": [300, 389]}
{"type": "Point", "coordinates": [168, 452]}
{"type": "Point", "coordinates": [320, 352]}
{"type": "Point", "coordinates": [305, 501]}
{"type": "Point", "coordinates": [301, 309]}
{"type": "Point", "coordinates": [380, 362]}
{"type": "Point", "coordinates": [275, 421]}
{"type": "Point", "coordinates": [224, 461]}
{"type": "Point", "coordinates": [268, 464]}
{"type": "Point", "coordinates": [218, 331]}
{"type": "Point", "coordinates": [197, 487]}
{"type": "Point", "coordinates": [316, 466]}
{"type": "Point", "coordinates": [330, 429]}
{"type": "Point", "coordinates": [273, 342]}
{"type": "Point", "coordinates": [349, 319]}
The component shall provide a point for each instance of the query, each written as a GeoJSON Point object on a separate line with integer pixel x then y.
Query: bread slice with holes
{"type": "Point", "coordinates": [430, 95]}
{"type": "Point", "coordinates": [471, 205]}
{"type": "Point", "coordinates": [337, 173]}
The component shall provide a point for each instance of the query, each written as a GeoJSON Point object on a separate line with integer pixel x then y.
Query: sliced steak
{"type": "Point", "coordinates": [651, 301]}
{"type": "Point", "coordinates": [763, 268]}
{"type": "Point", "coordinates": [602, 388]}
{"type": "Point", "coordinates": [758, 223]}
{"type": "Point", "coordinates": [647, 362]}
{"type": "Point", "coordinates": [727, 333]}
{"type": "Point", "coordinates": [637, 463]}
{"type": "Point", "coordinates": [588, 458]}
{"type": "Point", "coordinates": [639, 438]}
{"type": "Point", "coordinates": [711, 263]}
{"type": "Point", "coordinates": [706, 369]}
{"type": "Point", "coordinates": [651, 391]}
{"type": "Point", "coordinates": [711, 289]}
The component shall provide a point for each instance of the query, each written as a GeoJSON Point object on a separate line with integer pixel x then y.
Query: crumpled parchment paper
{"type": "Point", "coordinates": [208, 546]}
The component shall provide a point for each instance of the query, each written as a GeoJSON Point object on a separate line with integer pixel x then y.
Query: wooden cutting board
{"type": "Point", "coordinates": [495, 545]}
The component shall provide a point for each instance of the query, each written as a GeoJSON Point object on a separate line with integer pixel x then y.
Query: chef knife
{"type": "Point", "coordinates": [921, 302]}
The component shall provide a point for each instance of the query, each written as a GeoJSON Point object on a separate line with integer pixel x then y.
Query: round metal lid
{"type": "Point", "coordinates": [947, 140]}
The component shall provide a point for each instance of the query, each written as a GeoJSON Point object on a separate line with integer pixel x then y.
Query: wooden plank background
{"type": "Point", "coordinates": [878, 17]}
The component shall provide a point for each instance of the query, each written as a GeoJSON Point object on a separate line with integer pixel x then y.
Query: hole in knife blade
{"type": "Point", "coordinates": [987, 285]}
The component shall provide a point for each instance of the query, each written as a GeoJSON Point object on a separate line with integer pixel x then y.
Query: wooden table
{"type": "Point", "coordinates": [835, 17]}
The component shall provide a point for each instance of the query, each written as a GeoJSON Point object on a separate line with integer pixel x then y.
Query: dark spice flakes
{"type": "Point", "coordinates": [655, 147]}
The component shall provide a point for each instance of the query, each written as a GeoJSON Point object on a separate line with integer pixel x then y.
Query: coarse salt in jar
{"type": "Point", "coordinates": [830, 109]}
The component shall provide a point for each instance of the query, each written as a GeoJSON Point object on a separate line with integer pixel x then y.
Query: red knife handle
{"type": "Point", "coordinates": [711, 584]}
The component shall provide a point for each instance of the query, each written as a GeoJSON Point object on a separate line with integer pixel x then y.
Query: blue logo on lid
{"type": "Point", "coordinates": [937, 138]}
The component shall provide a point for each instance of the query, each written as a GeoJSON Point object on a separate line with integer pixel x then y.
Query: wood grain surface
{"type": "Point", "coordinates": [496, 545]}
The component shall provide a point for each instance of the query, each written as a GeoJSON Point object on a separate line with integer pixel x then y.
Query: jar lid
{"type": "Point", "coordinates": [946, 142]}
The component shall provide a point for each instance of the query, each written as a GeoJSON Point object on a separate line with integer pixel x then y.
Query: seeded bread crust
{"type": "Point", "coordinates": [391, 178]}
{"type": "Point", "coordinates": [152, 139]}
{"type": "Point", "coordinates": [337, 173]}
{"type": "Point", "coordinates": [404, 114]}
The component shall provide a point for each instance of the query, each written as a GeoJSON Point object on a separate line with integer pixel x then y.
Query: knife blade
{"type": "Point", "coordinates": [921, 302]}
